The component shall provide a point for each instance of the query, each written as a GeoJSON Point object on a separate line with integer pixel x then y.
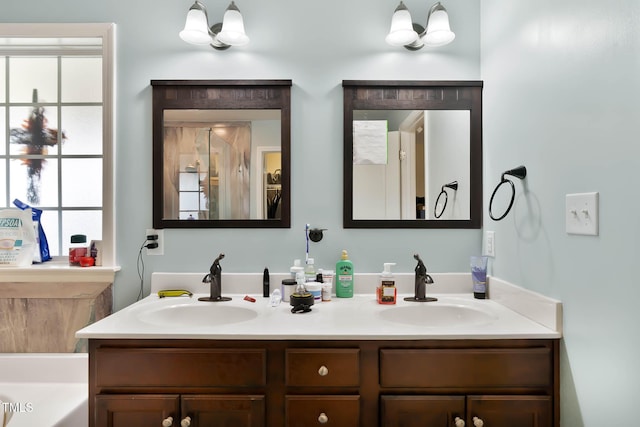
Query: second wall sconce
{"type": "Point", "coordinates": [405, 32]}
{"type": "Point", "coordinates": [222, 35]}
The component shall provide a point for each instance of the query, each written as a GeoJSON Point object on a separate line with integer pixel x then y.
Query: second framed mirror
{"type": "Point", "coordinates": [405, 144]}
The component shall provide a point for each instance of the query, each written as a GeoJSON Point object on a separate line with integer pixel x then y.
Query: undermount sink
{"type": "Point", "coordinates": [196, 315]}
{"type": "Point", "coordinates": [437, 315]}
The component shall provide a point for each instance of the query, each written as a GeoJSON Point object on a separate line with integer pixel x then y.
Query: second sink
{"type": "Point", "coordinates": [437, 315]}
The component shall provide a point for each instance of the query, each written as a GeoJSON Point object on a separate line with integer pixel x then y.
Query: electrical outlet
{"type": "Point", "coordinates": [490, 243]}
{"type": "Point", "coordinates": [160, 241]}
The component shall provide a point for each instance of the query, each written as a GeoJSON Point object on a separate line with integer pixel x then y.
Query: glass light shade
{"type": "Point", "coordinates": [401, 32]}
{"type": "Point", "coordinates": [438, 31]}
{"type": "Point", "coordinates": [232, 32]}
{"type": "Point", "coordinates": [196, 27]}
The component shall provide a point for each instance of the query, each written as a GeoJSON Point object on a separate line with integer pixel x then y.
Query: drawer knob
{"type": "Point", "coordinates": [186, 422]}
{"type": "Point", "coordinates": [323, 419]}
{"type": "Point", "coordinates": [459, 422]}
{"type": "Point", "coordinates": [167, 422]}
{"type": "Point", "coordinates": [323, 371]}
{"type": "Point", "coordinates": [477, 422]}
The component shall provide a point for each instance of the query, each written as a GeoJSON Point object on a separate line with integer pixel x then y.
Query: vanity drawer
{"type": "Point", "coordinates": [306, 411]}
{"type": "Point", "coordinates": [180, 367]}
{"type": "Point", "coordinates": [466, 368]}
{"type": "Point", "coordinates": [322, 367]}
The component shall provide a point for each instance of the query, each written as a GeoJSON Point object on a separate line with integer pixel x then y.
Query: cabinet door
{"type": "Point", "coordinates": [509, 411]}
{"type": "Point", "coordinates": [144, 410]}
{"type": "Point", "coordinates": [421, 411]}
{"type": "Point", "coordinates": [224, 410]}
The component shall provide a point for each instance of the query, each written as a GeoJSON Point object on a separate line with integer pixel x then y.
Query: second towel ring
{"type": "Point", "coordinates": [519, 172]}
{"type": "Point", "coordinates": [452, 185]}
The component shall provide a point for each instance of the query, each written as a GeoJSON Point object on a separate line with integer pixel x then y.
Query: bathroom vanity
{"type": "Point", "coordinates": [349, 362]}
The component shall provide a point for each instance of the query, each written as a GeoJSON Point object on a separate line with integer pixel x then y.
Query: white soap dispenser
{"type": "Point", "coordinates": [386, 290]}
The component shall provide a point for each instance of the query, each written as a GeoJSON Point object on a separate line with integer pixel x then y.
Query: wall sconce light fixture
{"type": "Point", "coordinates": [222, 35]}
{"type": "Point", "coordinates": [405, 32]}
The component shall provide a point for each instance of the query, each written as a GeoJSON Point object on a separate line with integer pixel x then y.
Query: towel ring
{"type": "Point", "coordinates": [519, 172]}
{"type": "Point", "coordinates": [452, 185]}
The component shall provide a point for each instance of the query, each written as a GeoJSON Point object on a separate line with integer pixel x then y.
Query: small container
{"type": "Point", "coordinates": [295, 269]}
{"type": "Point", "coordinates": [479, 276]}
{"type": "Point", "coordinates": [310, 271]}
{"type": "Point", "coordinates": [326, 291]}
{"type": "Point", "coordinates": [78, 249]}
{"type": "Point", "coordinates": [315, 289]}
{"type": "Point", "coordinates": [327, 276]}
{"type": "Point", "coordinates": [87, 261]}
{"type": "Point", "coordinates": [386, 292]}
{"type": "Point", "coordinates": [276, 297]}
{"type": "Point", "coordinates": [287, 288]}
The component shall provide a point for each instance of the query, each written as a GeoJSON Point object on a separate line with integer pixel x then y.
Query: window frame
{"type": "Point", "coordinates": [105, 31]}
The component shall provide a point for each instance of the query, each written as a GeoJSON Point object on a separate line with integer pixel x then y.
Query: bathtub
{"type": "Point", "coordinates": [43, 390]}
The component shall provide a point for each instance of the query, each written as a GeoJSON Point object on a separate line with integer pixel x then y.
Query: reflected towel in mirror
{"type": "Point", "coordinates": [370, 142]}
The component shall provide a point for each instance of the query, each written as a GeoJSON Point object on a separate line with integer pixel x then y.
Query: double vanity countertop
{"type": "Point", "coordinates": [510, 312]}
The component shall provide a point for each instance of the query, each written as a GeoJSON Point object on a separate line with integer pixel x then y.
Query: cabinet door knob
{"type": "Point", "coordinates": [323, 419]}
{"type": "Point", "coordinates": [477, 422]}
{"type": "Point", "coordinates": [459, 422]}
{"type": "Point", "coordinates": [167, 422]}
{"type": "Point", "coordinates": [186, 422]}
{"type": "Point", "coordinates": [323, 371]}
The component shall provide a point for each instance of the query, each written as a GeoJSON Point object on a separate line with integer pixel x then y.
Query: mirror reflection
{"type": "Point", "coordinates": [222, 164]}
{"type": "Point", "coordinates": [221, 153]}
{"type": "Point", "coordinates": [412, 154]}
{"type": "Point", "coordinates": [402, 159]}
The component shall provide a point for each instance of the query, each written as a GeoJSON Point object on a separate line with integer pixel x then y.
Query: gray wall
{"type": "Point", "coordinates": [316, 45]}
{"type": "Point", "coordinates": [561, 80]}
{"type": "Point", "coordinates": [561, 87]}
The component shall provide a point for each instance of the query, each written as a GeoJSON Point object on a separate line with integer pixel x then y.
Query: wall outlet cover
{"type": "Point", "coordinates": [160, 249]}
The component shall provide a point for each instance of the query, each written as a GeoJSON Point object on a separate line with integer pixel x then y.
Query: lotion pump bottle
{"type": "Point", "coordinates": [386, 291]}
{"type": "Point", "coordinates": [344, 276]}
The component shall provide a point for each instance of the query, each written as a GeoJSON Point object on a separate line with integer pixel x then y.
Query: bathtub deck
{"type": "Point", "coordinates": [45, 390]}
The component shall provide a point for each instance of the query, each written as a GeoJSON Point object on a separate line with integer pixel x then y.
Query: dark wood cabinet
{"type": "Point", "coordinates": [148, 410]}
{"type": "Point", "coordinates": [143, 410]}
{"type": "Point", "coordinates": [290, 383]}
{"type": "Point", "coordinates": [460, 411]}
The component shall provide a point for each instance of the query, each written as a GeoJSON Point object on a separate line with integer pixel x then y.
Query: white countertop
{"type": "Point", "coordinates": [360, 317]}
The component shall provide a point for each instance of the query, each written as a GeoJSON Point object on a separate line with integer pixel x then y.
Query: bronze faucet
{"type": "Point", "coordinates": [214, 278]}
{"type": "Point", "coordinates": [422, 279]}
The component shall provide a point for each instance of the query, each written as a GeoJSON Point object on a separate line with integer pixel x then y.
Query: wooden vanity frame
{"type": "Point", "coordinates": [279, 383]}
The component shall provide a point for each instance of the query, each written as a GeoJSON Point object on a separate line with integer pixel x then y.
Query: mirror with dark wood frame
{"type": "Point", "coordinates": [221, 153]}
{"type": "Point", "coordinates": [412, 154]}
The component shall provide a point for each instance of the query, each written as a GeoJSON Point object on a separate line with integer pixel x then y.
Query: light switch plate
{"type": "Point", "coordinates": [581, 213]}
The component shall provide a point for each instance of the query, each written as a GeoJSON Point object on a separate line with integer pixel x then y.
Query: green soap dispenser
{"type": "Point", "coordinates": [344, 276]}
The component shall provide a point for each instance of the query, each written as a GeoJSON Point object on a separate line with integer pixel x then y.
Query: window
{"type": "Point", "coordinates": [56, 130]}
